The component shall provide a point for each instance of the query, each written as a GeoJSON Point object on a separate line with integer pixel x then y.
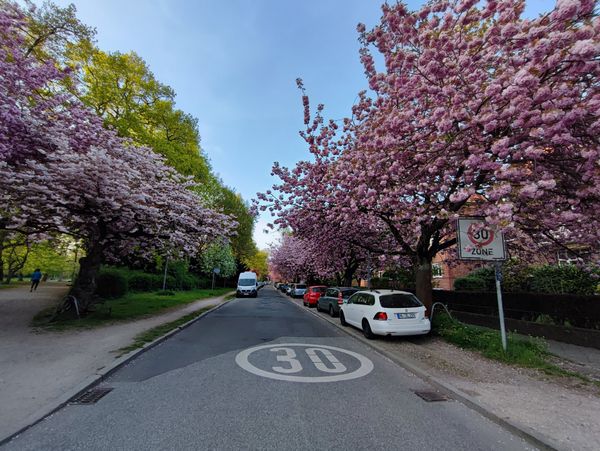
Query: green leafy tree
{"type": "Point", "coordinates": [218, 256]}
{"type": "Point", "coordinates": [258, 262]}
{"type": "Point", "coordinates": [50, 29]}
{"type": "Point", "coordinates": [232, 204]}
{"type": "Point", "coordinates": [121, 89]}
{"type": "Point", "coordinates": [57, 258]}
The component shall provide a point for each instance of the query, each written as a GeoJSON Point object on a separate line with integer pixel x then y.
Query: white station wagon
{"type": "Point", "coordinates": [385, 312]}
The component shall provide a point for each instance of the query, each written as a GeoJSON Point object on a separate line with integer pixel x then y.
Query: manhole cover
{"type": "Point", "coordinates": [431, 396]}
{"type": "Point", "coordinates": [91, 396]}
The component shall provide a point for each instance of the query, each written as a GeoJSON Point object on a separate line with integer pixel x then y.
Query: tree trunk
{"type": "Point", "coordinates": [85, 285]}
{"type": "Point", "coordinates": [423, 280]}
{"type": "Point", "coordinates": [349, 274]}
{"type": "Point", "coordinates": [338, 279]}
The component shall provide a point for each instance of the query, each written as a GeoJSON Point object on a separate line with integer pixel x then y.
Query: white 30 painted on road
{"type": "Point", "coordinates": [321, 357]}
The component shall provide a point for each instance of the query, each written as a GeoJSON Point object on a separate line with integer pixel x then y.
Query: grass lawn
{"type": "Point", "coordinates": [158, 331]}
{"type": "Point", "coordinates": [129, 307]}
{"type": "Point", "coordinates": [14, 284]}
{"type": "Point", "coordinates": [526, 352]}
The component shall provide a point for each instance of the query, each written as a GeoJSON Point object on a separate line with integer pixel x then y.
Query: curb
{"type": "Point", "coordinates": [100, 376]}
{"type": "Point", "coordinates": [523, 432]}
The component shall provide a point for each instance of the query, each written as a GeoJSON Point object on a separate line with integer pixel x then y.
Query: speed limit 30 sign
{"type": "Point", "coordinates": [478, 241]}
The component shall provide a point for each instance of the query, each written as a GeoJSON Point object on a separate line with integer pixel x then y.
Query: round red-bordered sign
{"type": "Point", "coordinates": [480, 236]}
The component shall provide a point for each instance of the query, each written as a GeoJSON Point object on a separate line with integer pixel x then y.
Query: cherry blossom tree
{"type": "Point", "coordinates": [61, 171]}
{"type": "Point", "coordinates": [474, 103]}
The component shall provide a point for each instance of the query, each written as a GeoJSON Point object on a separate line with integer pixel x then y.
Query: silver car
{"type": "Point", "coordinates": [298, 290]}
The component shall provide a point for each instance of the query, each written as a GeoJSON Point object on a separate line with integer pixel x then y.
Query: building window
{"type": "Point", "coordinates": [437, 271]}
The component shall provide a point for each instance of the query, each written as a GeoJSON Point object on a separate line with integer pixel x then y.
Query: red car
{"type": "Point", "coordinates": [313, 294]}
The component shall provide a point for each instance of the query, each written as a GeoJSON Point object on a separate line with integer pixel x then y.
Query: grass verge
{"type": "Point", "coordinates": [14, 284]}
{"type": "Point", "coordinates": [129, 307]}
{"type": "Point", "coordinates": [526, 352]}
{"type": "Point", "coordinates": [150, 335]}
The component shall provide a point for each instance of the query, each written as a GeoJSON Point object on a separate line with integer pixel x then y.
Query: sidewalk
{"type": "Point", "coordinates": [561, 412]}
{"type": "Point", "coordinates": [36, 369]}
{"type": "Point", "coordinates": [584, 360]}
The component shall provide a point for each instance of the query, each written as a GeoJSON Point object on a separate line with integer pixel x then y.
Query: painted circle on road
{"type": "Point", "coordinates": [321, 357]}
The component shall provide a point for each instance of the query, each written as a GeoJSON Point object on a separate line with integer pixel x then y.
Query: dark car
{"type": "Point", "coordinates": [333, 298]}
{"type": "Point", "coordinates": [282, 287]}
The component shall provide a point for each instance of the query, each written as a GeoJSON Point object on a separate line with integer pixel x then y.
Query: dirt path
{"type": "Point", "coordinates": [37, 368]}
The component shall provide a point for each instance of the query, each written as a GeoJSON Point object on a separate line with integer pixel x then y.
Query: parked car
{"type": "Point", "coordinates": [298, 290]}
{"type": "Point", "coordinates": [283, 287]}
{"type": "Point", "coordinates": [312, 295]}
{"type": "Point", "coordinates": [289, 289]}
{"type": "Point", "coordinates": [385, 312]}
{"type": "Point", "coordinates": [247, 285]}
{"type": "Point", "coordinates": [334, 297]}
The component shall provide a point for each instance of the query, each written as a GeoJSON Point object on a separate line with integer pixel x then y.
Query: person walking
{"type": "Point", "coordinates": [35, 280]}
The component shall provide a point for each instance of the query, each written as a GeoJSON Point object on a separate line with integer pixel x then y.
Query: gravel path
{"type": "Point", "coordinates": [37, 368]}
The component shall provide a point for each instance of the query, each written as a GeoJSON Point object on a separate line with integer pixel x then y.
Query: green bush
{"type": "Point", "coordinates": [488, 275]}
{"type": "Point", "coordinates": [111, 283]}
{"type": "Point", "coordinates": [189, 282]}
{"type": "Point", "coordinates": [139, 281]}
{"type": "Point", "coordinates": [144, 282]}
{"type": "Point", "coordinates": [399, 277]}
{"type": "Point", "coordinates": [516, 276]}
{"type": "Point", "coordinates": [520, 277]}
{"type": "Point", "coordinates": [470, 283]}
{"type": "Point", "coordinates": [565, 279]}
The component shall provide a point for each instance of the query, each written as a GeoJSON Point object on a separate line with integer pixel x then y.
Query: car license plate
{"type": "Point", "coordinates": [405, 315]}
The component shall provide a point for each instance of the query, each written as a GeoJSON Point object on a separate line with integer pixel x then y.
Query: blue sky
{"type": "Point", "coordinates": [234, 63]}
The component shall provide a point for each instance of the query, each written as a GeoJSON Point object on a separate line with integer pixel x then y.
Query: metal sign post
{"type": "Point", "coordinates": [500, 306]}
{"type": "Point", "coordinates": [477, 241]}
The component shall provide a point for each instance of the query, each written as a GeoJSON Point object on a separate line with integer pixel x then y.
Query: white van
{"type": "Point", "coordinates": [247, 285]}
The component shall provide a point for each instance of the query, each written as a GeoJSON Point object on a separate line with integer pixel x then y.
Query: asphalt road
{"type": "Point", "coordinates": [308, 386]}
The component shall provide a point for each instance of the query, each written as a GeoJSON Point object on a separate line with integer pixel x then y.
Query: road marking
{"type": "Point", "coordinates": [290, 363]}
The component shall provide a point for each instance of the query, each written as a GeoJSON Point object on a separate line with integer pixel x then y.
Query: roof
{"type": "Point", "coordinates": [384, 292]}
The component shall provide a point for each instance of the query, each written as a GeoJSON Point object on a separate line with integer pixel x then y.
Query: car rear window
{"type": "Point", "coordinates": [301, 287]}
{"type": "Point", "coordinates": [399, 300]}
{"type": "Point", "coordinates": [319, 290]}
{"type": "Point", "coordinates": [348, 293]}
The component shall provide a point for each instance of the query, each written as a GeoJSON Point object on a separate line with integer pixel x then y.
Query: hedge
{"type": "Point", "coordinates": [519, 277]}
{"type": "Point", "coordinates": [115, 282]}
{"type": "Point", "coordinates": [470, 283]}
{"type": "Point", "coordinates": [111, 283]}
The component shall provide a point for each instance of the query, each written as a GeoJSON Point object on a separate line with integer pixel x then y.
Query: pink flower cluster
{"type": "Point", "coordinates": [477, 111]}
{"type": "Point", "coordinates": [61, 171]}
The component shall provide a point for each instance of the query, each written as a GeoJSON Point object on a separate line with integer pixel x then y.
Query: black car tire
{"type": "Point", "coordinates": [331, 311]}
{"type": "Point", "coordinates": [318, 308]}
{"type": "Point", "coordinates": [367, 332]}
{"type": "Point", "coordinates": [343, 319]}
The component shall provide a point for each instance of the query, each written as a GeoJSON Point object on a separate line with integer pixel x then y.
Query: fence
{"type": "Point", "coordinates": [571, 310]}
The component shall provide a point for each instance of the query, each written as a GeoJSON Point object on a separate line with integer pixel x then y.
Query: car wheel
{"type": "Point", "coordinates": [331, 312]}
{"type": "Point", "coordinates": [318, 308]}
{"type": "Point", "coordinates": [343, 319]}
{"type": "Point", "coordinates": [367, 332]}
